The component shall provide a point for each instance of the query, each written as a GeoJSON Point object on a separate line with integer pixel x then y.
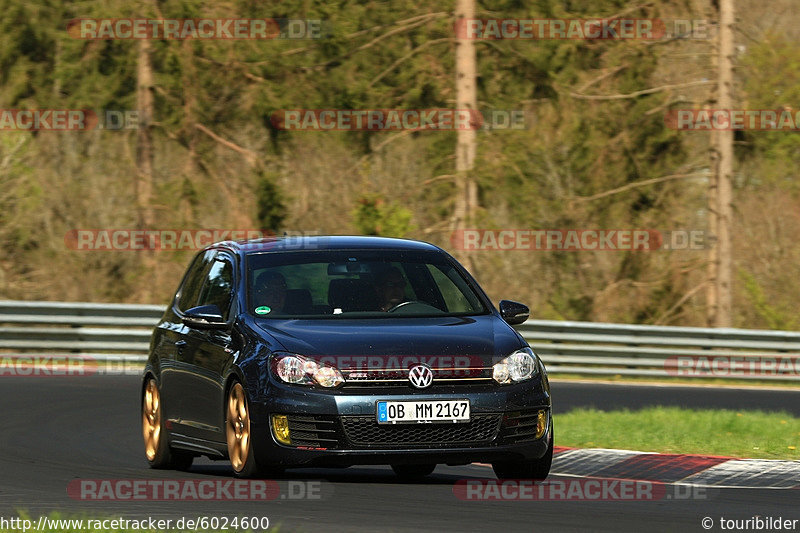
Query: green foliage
{"type": "Point", "coordinates": [775, 154]}
{"type": "Point", "coordinates": [771, 314]}
{"type": "Point", "coordinates": [374, 215]}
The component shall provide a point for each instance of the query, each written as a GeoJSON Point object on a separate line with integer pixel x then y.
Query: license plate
{"type": "Point", "coordinates": [421, 412]}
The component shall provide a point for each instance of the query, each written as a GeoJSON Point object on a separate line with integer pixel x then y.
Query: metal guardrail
{"type": "Point", "coordinates": [121, 332]}
{"type": "Point", "coordinates": [75, 337]}
{"type": "Point", "coordinates": [664, 351]}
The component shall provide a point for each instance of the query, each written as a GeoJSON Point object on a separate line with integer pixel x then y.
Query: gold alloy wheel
{"type": "Point", "coordinates": [151, 419]}
{"type": "Point", "coordinates": [238, 428]}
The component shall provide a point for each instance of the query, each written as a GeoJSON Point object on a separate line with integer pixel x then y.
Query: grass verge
{"type": "Point", "coordinates": [668, 380]}
{"type": "Point", "coordinates": [743, 434]}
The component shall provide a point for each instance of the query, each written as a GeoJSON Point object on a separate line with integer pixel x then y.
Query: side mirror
{"type": "Point", "coordinates": [204, 317]}
{"type": "Point", "coordinates": [514, 312]}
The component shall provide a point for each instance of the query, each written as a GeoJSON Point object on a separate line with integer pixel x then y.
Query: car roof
{"type": "Point", "coordinates": [322, 242]}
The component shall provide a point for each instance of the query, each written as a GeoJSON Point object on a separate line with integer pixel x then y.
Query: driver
{"type": "Point", "coordinates": [391, 287]}
{"type": "Point", "coordinates": [271, 291]}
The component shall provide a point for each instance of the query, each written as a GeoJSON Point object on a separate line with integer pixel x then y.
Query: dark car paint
{"type": "Point", "coordinates": [481, 336]}
{"type": "Point", "coordinates": [195, 367]}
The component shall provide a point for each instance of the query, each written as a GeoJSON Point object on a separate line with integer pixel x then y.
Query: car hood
{"type": "Point", "coordinates": [486, 336]}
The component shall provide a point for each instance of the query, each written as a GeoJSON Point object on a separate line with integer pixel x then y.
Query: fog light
{"type": "Point", "coordinates": [280, 426]}
{"type": "Point", "coordinates": [541, 424]}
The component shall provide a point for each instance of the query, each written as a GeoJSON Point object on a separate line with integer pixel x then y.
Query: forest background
{"type": "Point", "coordinates": [596, 152]}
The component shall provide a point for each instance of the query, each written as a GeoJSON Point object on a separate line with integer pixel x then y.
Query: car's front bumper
{"type": "Point", "coordinates": [339, 428]}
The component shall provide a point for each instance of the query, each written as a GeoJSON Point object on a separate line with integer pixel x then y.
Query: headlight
{"type": "Point", "coordinates": [299, 370]}
{"type": "Point", "coordinates": [518, 366]}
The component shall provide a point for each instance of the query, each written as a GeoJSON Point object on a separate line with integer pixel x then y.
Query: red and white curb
{"type": "Point", "coordinates": [697, 470]}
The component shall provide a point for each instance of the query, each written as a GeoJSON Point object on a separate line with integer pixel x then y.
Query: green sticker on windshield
{"type": "Point", "coordinates": [263, 310]}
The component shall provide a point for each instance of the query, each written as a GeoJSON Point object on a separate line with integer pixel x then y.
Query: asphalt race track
{"type": "Point", "coordinates": [56, 430]}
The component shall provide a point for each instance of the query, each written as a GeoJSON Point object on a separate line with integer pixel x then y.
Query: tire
{"type": "Point", "coordinates": [537, 469]}
{"type": "Point", "coordinates": [239, 437]}
{"type": "Point", "coordinates": [413, 471]}
{"type": "Point", "coordinates": [156, 439]}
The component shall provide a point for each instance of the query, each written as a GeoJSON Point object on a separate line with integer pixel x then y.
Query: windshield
{"type": "Point", "coordinates": [372, 283]}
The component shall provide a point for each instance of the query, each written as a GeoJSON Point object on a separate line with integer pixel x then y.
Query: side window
{"type": "Point", "coordinates": [218, 287]}
{"type": "Point", "coordinates": [193, 282]}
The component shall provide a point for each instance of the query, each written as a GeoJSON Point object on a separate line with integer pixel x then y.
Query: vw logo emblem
{"type": "Point", "coordinates": [421, 376]}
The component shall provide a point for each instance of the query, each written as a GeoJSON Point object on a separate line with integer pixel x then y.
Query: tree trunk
{"type": "Point", "coordinates": [466, 200]}
{"type": "Point", "coordinates": [143, 182]}
{"type": "Point", "coordinates": [144, 136]}
{"type": "Point", "coordinates": [724, 175]}
{"type": "Point", "coordinates": [712, 300]}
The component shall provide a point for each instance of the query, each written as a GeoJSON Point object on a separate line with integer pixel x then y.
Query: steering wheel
{"type": "Point", "coordinates": [403, 304]}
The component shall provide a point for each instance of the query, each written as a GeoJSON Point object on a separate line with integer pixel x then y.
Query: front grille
{"type": "Point", "coordinates": [365, 432]}
{"type": "Point", "coordinates": [519, 426]}
{"type": "Point", "coordinates": [399, 378]}
{"type": "Point", "coordinates": [314, 431]}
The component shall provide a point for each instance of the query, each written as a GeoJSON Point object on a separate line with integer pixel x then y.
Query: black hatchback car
{"type": "Point", "coordinates": [339, 351]}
